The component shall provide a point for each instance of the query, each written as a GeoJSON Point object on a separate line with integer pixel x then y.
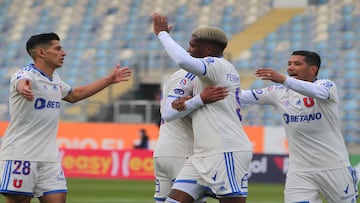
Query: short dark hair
{"type": "Point", "coordinates": [40, 39]}
{"type": "Point", "coordinates": [312, 58]}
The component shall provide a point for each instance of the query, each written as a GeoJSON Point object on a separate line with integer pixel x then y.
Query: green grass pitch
{"type": "Point", "coordinates": [134, 191]}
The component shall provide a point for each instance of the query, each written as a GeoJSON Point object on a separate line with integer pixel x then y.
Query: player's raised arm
{"type": "Point", "coordinates": [119, 74]}
{"type": "Point", "coordinates": [173, 49]}
{"type": "Point", "coordinates": [302, 86]}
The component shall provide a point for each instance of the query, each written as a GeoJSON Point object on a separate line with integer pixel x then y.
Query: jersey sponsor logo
{"type": "Point", "coordinates": [41, 103]}
{"type": "Point", "coordinates": [232, 77]}
{"type": "Point", "coordinates": [179, 91]}
{"type": "Point", "coordinates": [301, 118]}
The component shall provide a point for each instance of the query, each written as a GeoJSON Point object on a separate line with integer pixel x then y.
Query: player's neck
{"type": "Point", "coordinates": [46, 69]}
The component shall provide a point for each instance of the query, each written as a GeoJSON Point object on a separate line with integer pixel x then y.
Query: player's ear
{"type": "Point", "coordinates": [314, 69]}
{"type": "Point", "coordinates": [40, 52]}
{"type": "Point", "coordinates": [209, 49]}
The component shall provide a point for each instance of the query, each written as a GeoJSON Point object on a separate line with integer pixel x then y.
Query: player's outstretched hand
{"type": "Point", "coordinates": [270, 74]}
{"type": "Point", "coordinates": [120, 74]}
{"type": "Point", "coordinates": [213, 93]}
{"type": "Point", "coordinates": [24, 88]}
{"type": "Point", "coordinates": [160, 23]}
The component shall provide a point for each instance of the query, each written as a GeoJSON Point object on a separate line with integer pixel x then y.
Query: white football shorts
{"type": "Point", "coordinates": [31, 178]}
{"type": "Point", "coordinates": [165, 170]}
{"type": "Point", "coordinates": [336, 186]}
{"type": "Point", "coordinates": [220, 175]}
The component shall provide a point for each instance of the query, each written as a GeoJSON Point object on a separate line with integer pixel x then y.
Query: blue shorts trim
{"type": "Point", "coordinates": [55, 191]}
{"type": "Point", "coordinates": [16, 193]}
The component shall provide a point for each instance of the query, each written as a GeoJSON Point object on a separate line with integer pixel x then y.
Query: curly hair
{"type": "Point", "coordinates": [211, 34]}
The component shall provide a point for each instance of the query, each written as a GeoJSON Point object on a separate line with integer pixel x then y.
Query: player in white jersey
{"type": "Point", "coordinates": [319, 161]}
{"type": "Point", "coordinates": [29, 156]}
{"type": "Point", "coordinates": [222, 150]}
{"type": "Point", "coordinates": [175, 142]}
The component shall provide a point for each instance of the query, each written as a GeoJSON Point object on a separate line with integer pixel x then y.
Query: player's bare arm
{"type": "Point", "coordinates": [270, 74]}
{"type": "Point", "coordinates": [119, 74]}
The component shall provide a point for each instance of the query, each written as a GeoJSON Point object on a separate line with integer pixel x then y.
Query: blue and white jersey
{"type": "Point", "coordinates": [31, 134]}
{"type": "Point", "coordinates": [312, 125]}
{"type": "Point", "coordinates": [176, 137]}
{"type": "Point", "coordinates": [217, 126]}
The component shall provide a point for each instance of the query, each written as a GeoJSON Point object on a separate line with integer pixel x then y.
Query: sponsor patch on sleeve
{"type": "Point", "coordinates": [179, 91]}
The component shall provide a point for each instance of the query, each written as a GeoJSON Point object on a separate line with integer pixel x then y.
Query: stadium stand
{"type": "Point", "coordinates": [330, 29]}
{"type": "Point", "coordinates": [98, 34]}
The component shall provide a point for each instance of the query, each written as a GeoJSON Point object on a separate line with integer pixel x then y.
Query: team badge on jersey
{"type": "Point", "coordinates": [308, 102]}
{"type": "Point", "coordinates": [183, 82]}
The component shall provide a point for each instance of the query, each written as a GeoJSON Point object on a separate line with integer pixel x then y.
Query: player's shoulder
{"type": "Point", "coordinates": [325, 82]}
{"type": "Point", "coordinates": [219, 63]}
{"type": "Point", "coordinates": [214, 59]}
{"type": "Point", "coordinates": [183, 74]}
{"type": "Point", "coordinates": [26, 70]}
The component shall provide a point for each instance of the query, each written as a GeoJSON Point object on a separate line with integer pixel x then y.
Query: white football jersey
{"type": "Point", "coordinates": [312, 126]}
{"type": "Point", "coordinates": [31, 134]}
{"type": "Point", "coordinates": [176, 136]}
{"type": "Point", "coordinates": [217, 126]}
